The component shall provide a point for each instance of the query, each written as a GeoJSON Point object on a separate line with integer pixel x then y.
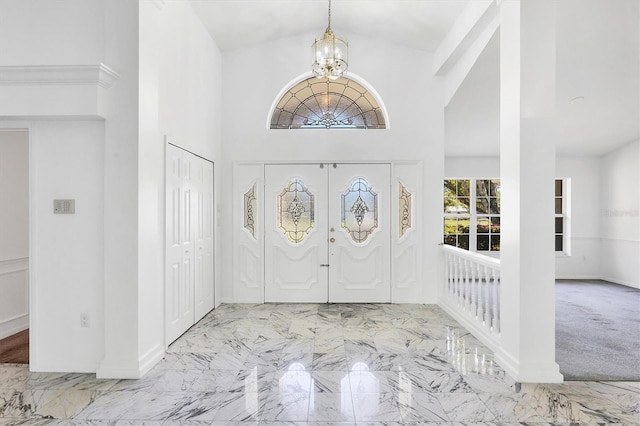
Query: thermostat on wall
{"type": "Point", "coordinates": [64, 206]}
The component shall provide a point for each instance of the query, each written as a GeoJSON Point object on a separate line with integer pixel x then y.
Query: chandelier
{"type": "Point", "coordinates": [330, 54]}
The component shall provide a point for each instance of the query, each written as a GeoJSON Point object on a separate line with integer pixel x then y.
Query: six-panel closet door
{"type": "Point", "coordinates": [189, 286]}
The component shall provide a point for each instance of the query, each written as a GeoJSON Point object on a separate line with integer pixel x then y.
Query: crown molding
{"type": "Point", "coordinates": [100, 75]}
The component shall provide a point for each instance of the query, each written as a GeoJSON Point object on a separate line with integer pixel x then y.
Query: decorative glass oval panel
{"type": "Point", "coordinates": [296, 211]}
{"type": "Point", "coordinates": [360, 210]}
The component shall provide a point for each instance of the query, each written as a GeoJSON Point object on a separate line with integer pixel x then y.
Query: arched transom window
{"type": "Point", "coordinates": [323, 103]}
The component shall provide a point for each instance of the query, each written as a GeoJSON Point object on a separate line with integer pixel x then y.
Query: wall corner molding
{"type": "Point", "coordinates": [37, 75]}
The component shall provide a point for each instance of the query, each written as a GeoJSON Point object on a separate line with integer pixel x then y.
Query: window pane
{"type": "Point", "coordinates": [484, 225]}
{"type": "Point", "coordinates": [450, 188]}
{"type": "Point", "coordinates": [450, 240]}
{"type": "Point", "coordinates": [482, 188]}
{"type": "Point", "coordinates": [495, 243]}
{"type": "Point", "coordinates": [495, 188]}
{"type": "Point", "coordinates": [495, 225]}
{"type": "Point", "coordinates": [463, 188]}
{"type": "Point", "coordinates": [558, 205]}
{"type": "Point", "coordinates": [558, 187]}
{"type": "Point", "coordinates": [450, 225]}
{"type": "Point", "coordinates": [494, 205]}
{"type": "Point", "coordinates": [483, 242]}
{"type": "Point", "coordinates": [559, 225]}
{"type": "Point", "coordinates": [559, 243]}
{"type": "Point", "coordinates": [463, 226]}
{"type": "Point", "coordinates": [482, 205]}
{"type": "Point", "coordinates": [463, 242]}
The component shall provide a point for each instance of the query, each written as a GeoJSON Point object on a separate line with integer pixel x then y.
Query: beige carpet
{"type": "Point", "coordinates": [597, 331]}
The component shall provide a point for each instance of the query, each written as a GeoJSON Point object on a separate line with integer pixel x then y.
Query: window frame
{"type": "Point", "coordinates": [473, 215]}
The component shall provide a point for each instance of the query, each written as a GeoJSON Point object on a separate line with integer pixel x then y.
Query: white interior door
{"type": "Point", "coordinates": [179, 274]}
{"type": "Point", "coordinates": [203, 236]}
{"type": "Point", "coordinates": [327, 236]}
{"type": "Point", "coordinates": [359, 237]}
{"type": "Point", "coordinates": [296, 233]}
{"type": "Point", "coordinates": [189, 284]}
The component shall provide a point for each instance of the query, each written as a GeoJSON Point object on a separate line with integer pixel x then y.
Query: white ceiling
{"type": "Point", "coordinates": [598, 44]}
{"type": "Point", "coordinates": [597, 58]}
{"type": "Point", "coordinates": [421, 24]}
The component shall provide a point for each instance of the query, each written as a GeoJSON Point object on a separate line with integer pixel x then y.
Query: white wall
{"type": "Point", "coordinates": [179, 97]}
{"type": "Point", "coordinates": [106, 261]}
{"type": "Point", "coordinates": [67, 161]}
{"type": "Point", "coordinates": [14, 232]}
{"type": "Point", "coordinates": [253, 77]}
{"type": "Point", "coordinates": [35, 32]}
{"type": "Point", "coordinates": [190, 94]}
{"type": "Point", "coordinates": [583, 261]}
{"type": "Point", "coordinates": [620, 223]}
{"type": "Point", "coordinates": [67, 250]}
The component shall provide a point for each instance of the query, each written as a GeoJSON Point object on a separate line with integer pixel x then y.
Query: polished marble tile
{"type": "Point", "coordinates": [316, 364]}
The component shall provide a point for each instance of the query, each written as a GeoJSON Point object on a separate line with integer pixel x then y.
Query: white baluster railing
{"type": "Point", "coordinates": [471, 292]}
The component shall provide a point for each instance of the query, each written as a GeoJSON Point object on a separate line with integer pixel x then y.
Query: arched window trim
{"type": "Point", "coordinates": [351, 76]}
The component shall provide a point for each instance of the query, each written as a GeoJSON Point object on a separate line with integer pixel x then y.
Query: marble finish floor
{"type": "Point", "coordinates": [316, 364]}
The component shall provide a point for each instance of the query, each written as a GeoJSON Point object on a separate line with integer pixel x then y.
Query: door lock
{"type": "Point", "coordinates": [332, 230]}
{"type": "Point", "coordinates": [333, 240]}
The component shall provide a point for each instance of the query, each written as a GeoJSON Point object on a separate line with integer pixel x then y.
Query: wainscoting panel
{"type": "Point", "coordinates": [14, 296]}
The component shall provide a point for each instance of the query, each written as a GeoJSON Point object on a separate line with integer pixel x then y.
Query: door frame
{"type": "Point", "coordinates": [246, 254]}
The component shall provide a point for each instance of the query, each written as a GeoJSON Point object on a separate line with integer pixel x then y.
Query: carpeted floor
{"type": "Point", "coordinates": [597, 331]}
{"type": "Point", "coordinates": [15, 349]}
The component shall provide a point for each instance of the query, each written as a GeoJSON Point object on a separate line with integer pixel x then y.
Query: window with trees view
{"type": "Point", "coordinates": [472, 214]}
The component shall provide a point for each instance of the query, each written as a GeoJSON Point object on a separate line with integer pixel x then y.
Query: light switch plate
{"type": "Point", "coordinates": [64, 206]}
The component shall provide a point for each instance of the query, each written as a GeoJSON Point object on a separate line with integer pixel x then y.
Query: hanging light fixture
{"type": "Point", "coordinates": [330, 54]}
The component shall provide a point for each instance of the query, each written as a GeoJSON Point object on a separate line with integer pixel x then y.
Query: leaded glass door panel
{"type": "Point", "coordinates": [359, 233]}
{"type": "Point", "coordinates": [296, 233]}
{"type": "Point", "coordinates": [327, 236]}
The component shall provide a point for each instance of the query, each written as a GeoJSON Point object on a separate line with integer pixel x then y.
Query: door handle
{"type": "Point", "coordinates": [325, 265]}
{"type": "Point", "coordinates": [333, 240]}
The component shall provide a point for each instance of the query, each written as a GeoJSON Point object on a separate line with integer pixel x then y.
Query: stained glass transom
{"type": "Point", "coordinates": [404, 207]}
{"type": "Point", "coordinates": [296, 211]}
{"type": "Point", "coordinates": [323, 103]}
{"type": "Point", "coordinates": [249, 210]}
{"type": "Point", "coordinates": [359, 210]}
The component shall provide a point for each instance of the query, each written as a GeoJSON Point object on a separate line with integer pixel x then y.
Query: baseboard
{"type": "Point", "coordinates": [151, 358]}
{"type": "Point", "coordinates": [599, 277]}
{"type": "Point", "coordinates": [528, 373]}
{"type": "Point", "coordinates": [130, 368]}
{"type": "Point", "coordinates": [14, 325]}
{"type": "Point", "coordinates": [621, 282]}
{"type": "Point", "coordinates": [62, 368]}
{"type": "Point", "coordinates": [578, 277]}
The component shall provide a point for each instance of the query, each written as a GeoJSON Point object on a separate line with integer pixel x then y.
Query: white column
{"type": "Point", "coordinates": [527, 163]}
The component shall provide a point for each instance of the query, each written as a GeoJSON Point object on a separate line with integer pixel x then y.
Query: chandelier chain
{"type": "Point", "coordinates": [329, 24]}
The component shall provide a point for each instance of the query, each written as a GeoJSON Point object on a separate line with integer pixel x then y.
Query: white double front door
{"type": "Point", "coordinates": [327, 236]}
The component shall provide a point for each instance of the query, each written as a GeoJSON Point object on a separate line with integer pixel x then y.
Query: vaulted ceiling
{"type": "Point", "coordinates": [597, 61]}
